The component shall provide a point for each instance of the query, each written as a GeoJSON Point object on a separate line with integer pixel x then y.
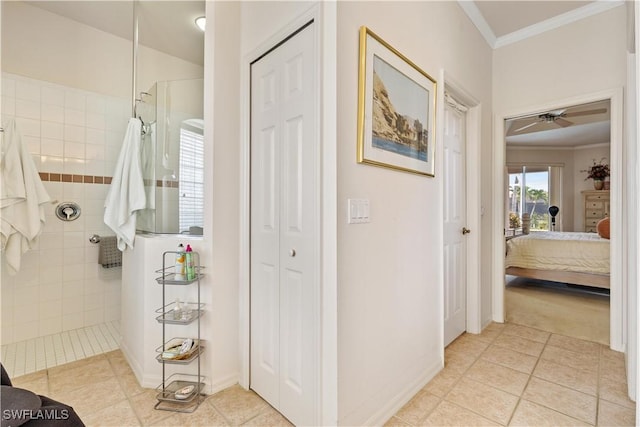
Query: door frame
{"type": "Point", "coordinates": [324, 15]}
{"type": "Point", "coordinates": [473, 141]}
{"type": "Point", "coordinates": [617, 339]}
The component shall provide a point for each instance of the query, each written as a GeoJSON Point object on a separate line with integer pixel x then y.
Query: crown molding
{"type": "Point", "coordinates": [556, 148]}
{"type": "Point", "coordinates": [557, 22]}
{"type": "Point", "coordinates": [494, 42]}
{"type": "Point", "coordinates": [478, 20]}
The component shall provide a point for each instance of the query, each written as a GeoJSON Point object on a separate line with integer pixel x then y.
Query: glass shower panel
{"type": "Point", "coordinates": [173, 107]}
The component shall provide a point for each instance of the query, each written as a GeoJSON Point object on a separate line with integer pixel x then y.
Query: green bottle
{"type": "Point", "coordinates": [190, 269]}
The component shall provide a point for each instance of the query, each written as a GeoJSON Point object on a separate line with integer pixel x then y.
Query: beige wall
{"type": "Point", "coordinates": [584, 57]}
{"type": "Point", "coordinates": [583, 158]}
{"type": "Point", "coordinates": [390, 270]}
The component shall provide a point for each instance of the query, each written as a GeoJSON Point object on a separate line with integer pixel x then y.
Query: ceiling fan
{"type": "Point", "coordinates": [558, 117]}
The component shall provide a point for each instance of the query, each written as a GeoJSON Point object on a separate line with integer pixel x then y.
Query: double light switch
{"type": "Point", "coordinates": [358, 211]}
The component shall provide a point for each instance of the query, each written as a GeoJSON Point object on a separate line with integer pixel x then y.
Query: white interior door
{"type": "Point", "coordinates": [284, 228]}
{"type": "Point", "coordinates": [455, 272]}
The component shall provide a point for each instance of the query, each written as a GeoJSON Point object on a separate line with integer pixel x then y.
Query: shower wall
{"type": "Point", "coordinates": [69, 86]}
{"type": "Point", "coordinates": [74, 137]}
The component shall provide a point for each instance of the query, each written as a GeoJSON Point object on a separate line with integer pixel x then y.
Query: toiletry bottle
{"type": "Point", "coordinates": [190, 269]}
{"type": "Point", "coordinates": [180, 263]}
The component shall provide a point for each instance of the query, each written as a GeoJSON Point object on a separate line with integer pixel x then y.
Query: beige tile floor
{"type": "Point", "coordinates": [519, 376]}
{"type": "Point", "coordinates": [508, 375]}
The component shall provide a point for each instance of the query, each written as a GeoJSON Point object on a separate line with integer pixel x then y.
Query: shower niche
{"type": "Point", "coordinates": [172, 154]}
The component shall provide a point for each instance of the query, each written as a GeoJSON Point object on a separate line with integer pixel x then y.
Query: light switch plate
{"type": "Point", "coordinates": [358, 211]}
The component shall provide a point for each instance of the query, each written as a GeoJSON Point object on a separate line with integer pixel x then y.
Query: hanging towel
{"type": "Point", "coordinates": [109, 256]}
{"type": "Point", "coordinates": [126, 194]}
{"type": "Point", "coordinates": [22, 198]}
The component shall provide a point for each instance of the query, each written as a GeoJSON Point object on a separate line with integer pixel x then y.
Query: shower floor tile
{"type": "Point", "coordinates": [25, 357]}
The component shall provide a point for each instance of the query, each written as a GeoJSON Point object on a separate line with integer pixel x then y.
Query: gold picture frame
{"type": "Point", "coordinates": [396, 109]}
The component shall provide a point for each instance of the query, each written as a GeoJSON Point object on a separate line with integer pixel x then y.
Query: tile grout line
{"type": "Point", "coordinates": [546, 341]}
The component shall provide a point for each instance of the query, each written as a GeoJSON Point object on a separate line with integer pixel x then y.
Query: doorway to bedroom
{"type": "Point", "coordinates": [557, 266]}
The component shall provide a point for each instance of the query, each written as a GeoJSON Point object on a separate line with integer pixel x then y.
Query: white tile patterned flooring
{"type": "Point", "coordinates": [25, 357]}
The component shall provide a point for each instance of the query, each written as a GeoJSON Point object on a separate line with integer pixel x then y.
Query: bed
{"type": "Point", "coordinates": [568, 257]}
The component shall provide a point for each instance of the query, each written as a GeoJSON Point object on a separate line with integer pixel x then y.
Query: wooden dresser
{"type": "Point", "coordinates": [595, 207]}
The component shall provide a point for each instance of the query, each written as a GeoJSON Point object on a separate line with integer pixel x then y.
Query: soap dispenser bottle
{"type": "Point", "coordinates": [180, 263]}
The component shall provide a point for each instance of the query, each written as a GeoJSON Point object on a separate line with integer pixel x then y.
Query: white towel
{"type": "Point", "coordinates": [22, 198]}
{"type": "Point", "coordinates": [126, 194]}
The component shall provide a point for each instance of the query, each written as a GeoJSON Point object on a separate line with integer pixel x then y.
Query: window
{"type": "Point", "coordinates": [529, 192]}
{"type": "Point", "coordinates": [191, 177]}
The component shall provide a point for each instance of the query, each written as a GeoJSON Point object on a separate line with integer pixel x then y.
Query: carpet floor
{"type": "Point", "coordinates": [577, 312]}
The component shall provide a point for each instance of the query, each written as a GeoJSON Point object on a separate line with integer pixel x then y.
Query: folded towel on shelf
{"type": "Point", "coordinates": [109, 255]}
{"type": "Point", "coordinates": [126, 194]}
{"type": "Point", "coordinates": [22, 198]}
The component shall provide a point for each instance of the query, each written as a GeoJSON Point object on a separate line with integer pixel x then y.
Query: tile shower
{"type": "Point", "coordinates": [74, 137]}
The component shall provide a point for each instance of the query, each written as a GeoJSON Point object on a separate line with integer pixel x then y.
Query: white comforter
{"type": "Point", "coordinates": [550, 250]}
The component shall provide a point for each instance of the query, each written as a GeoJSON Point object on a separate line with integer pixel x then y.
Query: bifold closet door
{"type": "Point", "coordinates": [284, 227]}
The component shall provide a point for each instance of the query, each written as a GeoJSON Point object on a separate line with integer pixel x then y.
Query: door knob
{"type": "Point", "coordinates": [292, 253]}
{"type": "Point", "coordinates": [465, 230]}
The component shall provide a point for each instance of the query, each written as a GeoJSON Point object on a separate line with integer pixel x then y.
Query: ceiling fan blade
{"type": "Point", "coordinates": [562, 122]}
{"type": "Point", "coordinates": [526, 127]}
{"type": "Point", "coordinates": [585, 113]}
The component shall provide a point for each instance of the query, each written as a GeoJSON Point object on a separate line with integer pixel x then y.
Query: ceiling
{"type": "Point", "coordinates": [167, 26]}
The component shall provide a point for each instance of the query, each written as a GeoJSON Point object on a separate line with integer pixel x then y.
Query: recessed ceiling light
{"type": "Point", "coordinates": [201, 22]}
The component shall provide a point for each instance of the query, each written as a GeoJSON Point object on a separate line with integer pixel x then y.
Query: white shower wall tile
{"type": "Point", "coordinates": [77, 224]}
{"type": "Point", "coordinates": [33, 145]}
{"type": "Point", "coordinates": [94, 317]}
{"type": "Point", "coordinates": [50, 309]}
{"type": "Point", "coordinates": [96, 136]}
{"type": "Point", "coordinates": [73, 133]}
{"type": "Point", "coordinates": [51, 240]}
{"type": "Point", "coordinates": [50, 274]}
{"type": "Point", "coordinates": [96, 104]}
{"type": "Point", "coordinates": [74, 149]}
{"type": "Point", "coordinates": [53, 130]}
{"type": "Point", "coordinates": [52, 113]}
{"type": "Point", "coordinates": [8, 106]}
{"type": "Point", "coordinates": [51, 147]}
{"type": "Point", "coordinates": [75, 100]}
{"type": "Point", "coordinates": [94, 151]}
{"type": "Point", "coordinates": [72, 321]}
{"type": "Point", "coordinates": [28, 109]}
{"type": "Point", "coordinates": [72, 272]}
{"type": "Point", "coordinates": [73, 256]}
{"type": "Point", "coordinates": [95, 121]}
{"type": "Point", "coordinates": [52, 164]}
{"type": "Point", "coordinates": [50, 258]}
{"type": "Point", "coordinates": [50, 292]}
{"type": "Point", "coordinates": [28, 127]}
{"type": "Point", "coordinates": [27, 90]}
{"type": "Point", "coordinates": [67, 131]}
{"type": "Point", "coordinates": [50, 326]}
{"type": "Point", "coordinates": [25, 330]}
{"type": "Point", "coordinates": [74, 190]}
{"type": "Point", "coordinates": [8, 87]}
{"type": "Point", "coordinates": [75, 118]}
